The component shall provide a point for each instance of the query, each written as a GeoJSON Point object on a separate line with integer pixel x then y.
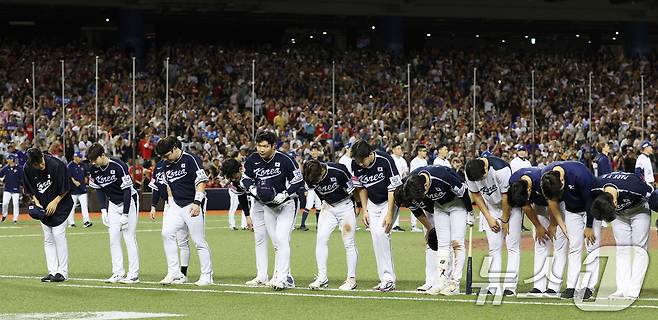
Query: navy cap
{"type": "Point", "coordinates": [11, 156]}
{"type": "Point", "coordinates": [645, 144]}
{"type": "Point", "coordinates": [36, 213]}
{"type": "Point", "coordinates": [521, 147]}
{"type": "Point", "coordinates": [78, 154]}
{"type": "Point", "coordinates": [265, 192]}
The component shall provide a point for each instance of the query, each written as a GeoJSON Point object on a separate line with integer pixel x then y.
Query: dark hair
{"type": "Point", "coordinates": [397, 144]}
{"type": "Point", "coordinates": [400, 199]}
{"type": "Point", "coordinates": [474, 169]}
{"type": "Point", "coordinates": [517, 194]}
{"type": "Point", "coordinates": [420, 147]}
{"type": "Point", "coordinates": [34, 156]}
{"type": "Point", "coordinates": [551, 186]}
{"type": "Point", "coordinates": [361, 150]}
{"type": "Point", "coordinates": [230, 167]}
{"type": "Point", "coordinates": [166, 144]}
{"type": "Point", "coordinates": [414, 187]}
{"type": "Point", "coordinates": [95, 151]}
{"type": "Point", "coordinates": [312, 171]}
{"type": "Point", "coordinates": [315, 146]}
{"type": "Point", "coordinates": [267, 136]}
{"type": "Point", "coordinates": [603, 208]}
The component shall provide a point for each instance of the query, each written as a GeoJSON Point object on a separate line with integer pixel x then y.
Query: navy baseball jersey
{"type": "Point", "coordinates": [78, 172]}
{"type": "Point", "coordinates": [578, 184]}
{"type": "Point", "coordinates": [631, 190]}
{"type": "Point", "coordinates": [603, 165]}
{"type": "Point", "coordinates": [336, 184]}
{"type": "Point", "coordinates": [114, 182]}
{"type": "Point", "coordinates": [534, 173]}
{"type": "Point", "coordinates": [182, 176]}
{"type": "Point", "coordinates": [47, 184]}
{"type": "Point", "coordinates": [13, 178]}
{"type": "Point", "coordinates": [380, 178]}
{"type": "Point", "coordinates": [445, 185]}
{"type": "Point", "coordinates": [419, 208]}
{"type": "Point", "coordinates": [280, 172]}
{"type": "Point", "coordinates": [157, 183]}
{"type": "Point", "coordinates": [243, 197]}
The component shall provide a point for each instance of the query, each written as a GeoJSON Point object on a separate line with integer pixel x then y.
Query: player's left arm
{"type": "Point", "coordinates": [200, 181]}
{"type": "Point", "coordinates": [394, 181]}
{"type": "Point", "coordinates": [585, 185]}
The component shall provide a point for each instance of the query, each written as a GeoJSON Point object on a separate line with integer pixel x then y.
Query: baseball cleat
{"type": "Point", "coordinates": [415, 229]}
{"type": "Point", "coordinates": [508, 292]}
{"type": "Point", "coordinates": [451, 289]}
{"type": "Point", "coordinates": [318, 284]}
{"type": "Point", "coordinates": [535, 293]}
{"type": "Point", "coordinates": [387, 287]}
{"type": "Point", "coordinates": [377, 287]}
{"type": "Point", "coordinates": [130, 281]}
{"type": "Point", "coordinates": [439, 286]}
{"type": "Point", "coordinates": [290, 282]}
{"type": "Point", "coordinates": [233, 228]}
{"type": "Point", "coordinates": [256, 282]}
{"type": "Point", "coordinates": [172, 279]}
{"type": "Point", "coordinates": [349, 284]}
{"type": "Point", "coordinates": [425, 287]}
{"type": "Point", "coordinates": [4, 218]}
{"type": "Point", "coordinates": [203, 282]}
{"type": "Point", "coordinates": [180, 280]}
{"type": "Point", "coordinates": [398, 229]}
{"type": "Point", "coordinates": [550, 293]}
{"type": "Point", "coordinates": [72, 225]}
{"type": "Point", "coordinates": [47, 278]}
{"type": "Point", "coordinates": [114, 278]}
{"type": "Point", "coordinates": [587, 293]}
{"type": "Point", "coordinates": [58, 277]}
{"type": "Point", "coordinates": [88, 224]}
{"type": "Point", "coordinates": [568, 293]}
{"type": "Point", "coordinates": [278, 286]}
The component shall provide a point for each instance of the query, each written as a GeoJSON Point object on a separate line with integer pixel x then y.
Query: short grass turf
{"type": "Point", "coordinates": [22, 264]}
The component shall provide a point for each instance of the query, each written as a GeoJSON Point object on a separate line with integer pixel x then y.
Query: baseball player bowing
{"type": "Point", "coordinates": [185, 177]}
{"type": "Point", "coordinates": [160, 190]}
{"type": "Point", "coordinates": [488, 180]}
{"type": "Point", "coordinates": [376, 179]}
{"type": "Point", "coordinates": [571, 182]}
{"type": "Point", "coordinates": [47, 181]}
{"type": "Point", "coordinates": [451, 207]}
{"type": "Point", "coordinates": [272, 177]}
{"type": "Point", "coordinates": [621, 198]}
{"type": "Point", "coordinates": [525, 193]}
{"type": "Point", "coordinates": [332, 183]}
{"type": "Point", "coordinates": [110, 178]}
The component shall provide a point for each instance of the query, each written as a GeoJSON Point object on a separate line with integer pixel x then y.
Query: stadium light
{"type": "Point", "coordinates": [589, 41]}
{"type": "Point", "coordinates": [614, 38]}
{"type": "Point", "coordinates": [324, 33]}
{"type": "Point", "coordinates": [477, 35]}
{"type": "Point", "coordinates": [107, 19]}
{"type": "Point", "coordinates": [372, 27]}
{"type": "Point", "coordinates": [429, 35]}
{"type": "Point", "coordinates": [503, 41]}
{"type": "Point", "coordinates": [310, 37]}
{"type": "Point", "coordinates": [577, 35]}
{"type": "Point", "coordinates": [526, 36]}
{"type": "Point", "coordinates": [500, 81]}
{"type": "Point", "coordinates": [533, 41]}
{"type": "Point", "coordinates": [617, 33]}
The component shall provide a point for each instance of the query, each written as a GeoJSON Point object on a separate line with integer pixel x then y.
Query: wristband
{"type": "Point", "coordinates": [197, 202]}
{"type": "Point", "coordinates": [503, 221]}
{"type": "Point", "coordinates": [198, 196]}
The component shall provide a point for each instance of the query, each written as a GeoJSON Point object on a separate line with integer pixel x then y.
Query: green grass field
{"type": "Point", "coordinates": [22, 264]}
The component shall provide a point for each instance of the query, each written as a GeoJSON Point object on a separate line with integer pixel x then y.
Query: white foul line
{"type": "Point", "coordinates": [354, 297]}
{"type": "Point", "coordinates": [302, 294]}
{"type": "Point", "coordinates": [90, 233]}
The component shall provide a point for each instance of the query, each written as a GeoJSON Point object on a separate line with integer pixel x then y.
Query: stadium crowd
{"type": "Point", "coordinates": [211, 101]}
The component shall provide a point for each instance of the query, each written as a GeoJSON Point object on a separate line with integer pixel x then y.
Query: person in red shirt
{"type": "Point", "coordinates": [137, 173]}
{"type": "Point", "coordinates": [145, 148]}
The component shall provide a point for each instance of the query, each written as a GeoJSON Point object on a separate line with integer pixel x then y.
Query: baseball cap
{"type": "Point", "coordinates": [11, 156]}
{"type": "Point", "coordinates": [265, 192]}
{"type": "Point", "coordinates": [521, 148]}
{"type": "Point", "coordinates": [78, 154]}
{"type": "Point", "coordinates": [348, 145]}
{"type": "Point", "coordinates": [432, 240]}
{"type": "Point", "coordinates": [36, 213]}
{"type": "Point", "coordinates": [645, 144]}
